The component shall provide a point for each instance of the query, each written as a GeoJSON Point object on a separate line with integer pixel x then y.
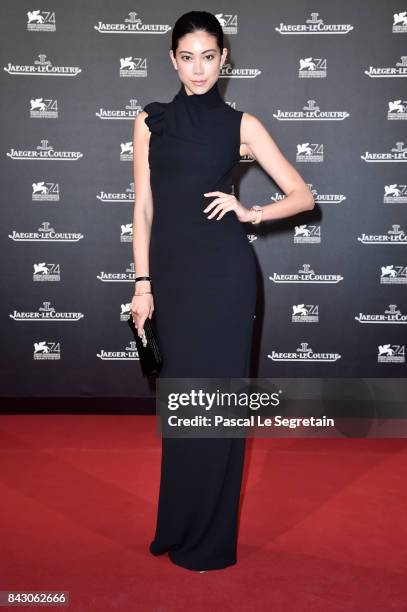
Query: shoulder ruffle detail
{"type": "Point", "coordinates": [155, 119]}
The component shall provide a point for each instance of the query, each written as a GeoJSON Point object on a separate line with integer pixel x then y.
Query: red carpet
{"type": "Point", "coordinates": [323, 522]}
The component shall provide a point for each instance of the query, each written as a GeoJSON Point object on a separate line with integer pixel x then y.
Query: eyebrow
{"type": "Point", "coordinates": [202, 51]}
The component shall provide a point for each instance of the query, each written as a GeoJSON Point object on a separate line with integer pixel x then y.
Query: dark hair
{"type": "Point", "coordinates": [196, 21]}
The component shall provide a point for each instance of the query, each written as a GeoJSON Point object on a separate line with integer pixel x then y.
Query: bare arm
{"type": "Point", "coordinates": [143, 206]}
{"type": "Point", "coordinates": [257, 142]}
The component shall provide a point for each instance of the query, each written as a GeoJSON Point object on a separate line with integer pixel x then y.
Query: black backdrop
{"type": "Point", "coordinates": [327, 80]}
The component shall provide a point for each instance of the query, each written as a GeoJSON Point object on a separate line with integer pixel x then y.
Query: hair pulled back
{"type": "Point", "coordinates": [196, 21]}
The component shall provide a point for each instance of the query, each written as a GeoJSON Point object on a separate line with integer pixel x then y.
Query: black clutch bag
{"type": "Point", "coordinates": [148, 350]}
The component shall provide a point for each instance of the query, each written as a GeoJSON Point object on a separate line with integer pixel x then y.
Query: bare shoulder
{"type": "Point", "coordinates": [249, 127]}
{"type": "Point", "coordinates": [139, 120]}
{"type": "Point", "coordinates": [140, 126]}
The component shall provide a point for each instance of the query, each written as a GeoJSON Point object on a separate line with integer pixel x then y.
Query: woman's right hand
{"type": "Point", "coordinates": [142, 306]}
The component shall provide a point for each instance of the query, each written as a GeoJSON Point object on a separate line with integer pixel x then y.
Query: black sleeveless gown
{"type": "Point", "coordinates": [204, 287]}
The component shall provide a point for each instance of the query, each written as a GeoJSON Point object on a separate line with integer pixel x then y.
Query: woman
{"type": "Point", "coordinates": [202, 287]}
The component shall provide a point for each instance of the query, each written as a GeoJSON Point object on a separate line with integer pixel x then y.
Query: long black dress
{"type": "Point", "coordinates": [204, 288]}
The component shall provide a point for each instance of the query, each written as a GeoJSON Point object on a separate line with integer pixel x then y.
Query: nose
{"type": "Point", "coordinates": [198, 67]}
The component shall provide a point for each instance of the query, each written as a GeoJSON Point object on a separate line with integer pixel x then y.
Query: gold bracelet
{"type": "Point", "coordinates": [258, 210]}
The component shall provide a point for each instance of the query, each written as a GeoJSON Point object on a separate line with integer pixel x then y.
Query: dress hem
{"type": "Point", "coordinates": [191, 566]}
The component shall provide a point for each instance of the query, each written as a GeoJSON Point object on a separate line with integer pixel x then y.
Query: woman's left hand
{"type": "Point", "coordinates": [226, 202]}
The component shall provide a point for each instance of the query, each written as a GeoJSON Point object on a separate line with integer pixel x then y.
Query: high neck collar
{"type": "Point", "coordinates": [209, 99]}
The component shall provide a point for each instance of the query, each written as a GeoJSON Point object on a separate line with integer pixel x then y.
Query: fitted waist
{"type": "Point", "coordinates": [192, 220]}
{"type": "Point", "coordinates": [197, 232]}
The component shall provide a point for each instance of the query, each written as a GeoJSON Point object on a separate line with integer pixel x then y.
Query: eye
{"type": "Point", "coordinates": [185, 57]}
{"type": "Point", "coordinates": [209, 56]}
